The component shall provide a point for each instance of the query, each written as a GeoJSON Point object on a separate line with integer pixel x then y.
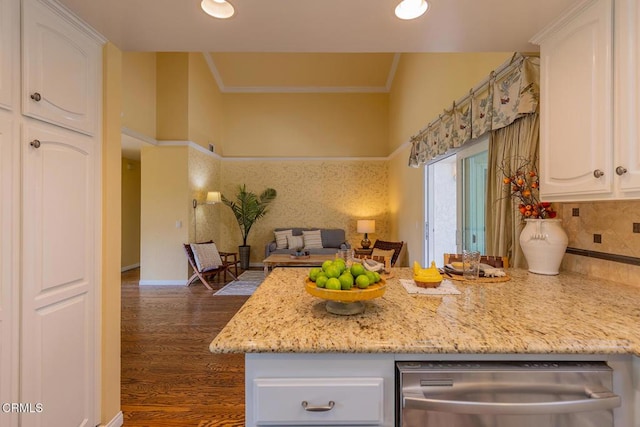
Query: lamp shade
{"type": "Point", "coordinates": [366, 226]}
{"type": "Point", "coordinates": [411, 9]}
{"type": "Point", "coordinates": [218, 8]}
{"type": "Point", "coordinates": [213, 197]}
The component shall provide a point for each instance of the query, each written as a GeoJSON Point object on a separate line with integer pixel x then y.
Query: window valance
{"type": "Point", "coordinates": [505, 96]}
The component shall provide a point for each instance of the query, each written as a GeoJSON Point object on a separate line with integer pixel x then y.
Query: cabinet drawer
{"type": "Point", "coordinates": [356, 401]}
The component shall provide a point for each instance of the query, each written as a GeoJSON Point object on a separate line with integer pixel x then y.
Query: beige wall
{"type": "Point", "coordinates": [172, 91]}
{"type": "Point", "coordinates": [425, 84]}
{"type": "Point", "coordinates": [311, 193]}
{"type": "Point", "coordinates": [204, 176]}
{"type": "Point", "coordinates": [139, 92]}
{"type": "Point", "coordinates": [130, 213]}
{"type": "Point", "coordinates": [205, 105]}
{"type": "Point", "coordinates": [165, 201]}
{"type": "Point", "coordinates": [613, 220]}
{"type": "Point", "coordinates": [305, 124]}
{"type": "Point", "coordinates": [111, 225]}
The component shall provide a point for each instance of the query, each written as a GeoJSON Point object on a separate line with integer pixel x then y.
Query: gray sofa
{"type": "Point", "coordinates": [333, 239]}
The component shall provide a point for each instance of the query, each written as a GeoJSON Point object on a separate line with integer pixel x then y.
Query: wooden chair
{"type": "Point", "coordinates": [385, 246]}
{"type": "Point", "coordinates": [494, 261]}
{"type": "Point", "coordinates": [229, 260]}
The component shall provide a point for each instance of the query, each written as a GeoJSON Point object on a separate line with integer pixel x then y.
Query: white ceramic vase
{"type": "Point", "coordinates": [543, 242]}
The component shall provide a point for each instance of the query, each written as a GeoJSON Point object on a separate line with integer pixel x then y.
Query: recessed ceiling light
{"type": "Point", "coordinates": [218, 8]}
{"type": "Point", "coordinates": [411, 9]}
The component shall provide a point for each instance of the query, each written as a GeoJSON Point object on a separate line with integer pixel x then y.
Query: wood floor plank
{"type": "Point", "coordinates": [169, 377]}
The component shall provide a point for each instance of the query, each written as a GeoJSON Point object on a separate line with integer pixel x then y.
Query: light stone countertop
{"type": "Point", "coordinates": [564, 314]}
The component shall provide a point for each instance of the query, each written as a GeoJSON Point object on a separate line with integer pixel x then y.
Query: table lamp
{"type": "Point", "coordinates": [366, 226]}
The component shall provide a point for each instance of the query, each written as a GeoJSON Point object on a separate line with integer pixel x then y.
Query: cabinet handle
{"type": "Point", "coordinates": [36, 96]}
{"type": "Point", "coordinates": [620, 170]}
{"type": "Point", "coordinates": [35, 143]}
{"type": "Point", "coordinates": [598, 173]}
{"type": "Point", "coordinates": [310, 408]}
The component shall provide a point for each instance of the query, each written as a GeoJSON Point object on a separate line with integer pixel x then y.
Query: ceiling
{"type": "Point", "coordinates": [319, 25]}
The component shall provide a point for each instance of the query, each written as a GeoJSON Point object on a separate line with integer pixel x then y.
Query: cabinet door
{"type": "Point", "coordinates": [627, 87]}
{"type": "Point", "coordinates": [59, 276]}
{"type": "Point", "coordinates": [60, 70]}
{"type": "Point", "coordinates": [8, 272]}
{"type": "Point", "coordinates": [8, 48]}
{"type": "Point", "coordinates": [576, 143]}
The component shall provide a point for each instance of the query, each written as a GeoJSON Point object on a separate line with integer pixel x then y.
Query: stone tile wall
{"type": "Point", "coordinates": [613, 222]}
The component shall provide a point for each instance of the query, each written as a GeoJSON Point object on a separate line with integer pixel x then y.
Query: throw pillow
{"type": "Point", "coordinates": [312, 239]}
{"type": "Point", "coordinates": [382, 253]}
{"type": "Point", "coordinates": [206, 256]}
{"type": "Point", "coordinates": [295, 242]}
{"type": "Point", "coordinates": [281, 238]}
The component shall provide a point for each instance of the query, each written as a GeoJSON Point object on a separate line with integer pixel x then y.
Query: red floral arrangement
{"type": "Point", "coordinates": [524, 187]}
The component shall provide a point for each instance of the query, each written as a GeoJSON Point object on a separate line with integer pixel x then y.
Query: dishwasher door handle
{"type": "Point", "coordinates": [596, 399]}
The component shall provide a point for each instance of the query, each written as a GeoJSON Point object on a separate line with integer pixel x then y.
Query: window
{"type": "Point", "coordinates": [456, 188]}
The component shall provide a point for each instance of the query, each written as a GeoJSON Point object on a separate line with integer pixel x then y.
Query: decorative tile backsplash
{"type": "Point", "coordinates": [606, 227]}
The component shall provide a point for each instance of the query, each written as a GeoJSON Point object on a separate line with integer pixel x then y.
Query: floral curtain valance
{"type": "Point", "coordinates": [507, 96]}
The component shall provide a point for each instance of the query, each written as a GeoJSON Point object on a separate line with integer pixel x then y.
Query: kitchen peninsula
{"type": "Point", "coordinates": [293, 344]}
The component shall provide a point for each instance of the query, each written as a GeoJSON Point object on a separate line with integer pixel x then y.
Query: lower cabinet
{"type": "Point", "coordinates": [319, 389]}
{"type": "Point", "coordinates": [313, 401]}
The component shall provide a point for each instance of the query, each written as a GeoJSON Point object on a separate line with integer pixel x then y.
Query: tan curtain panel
{"type": "Point", "coordinates": [503, 220]}
{"type": "Point", "coordinates": [510, 95]}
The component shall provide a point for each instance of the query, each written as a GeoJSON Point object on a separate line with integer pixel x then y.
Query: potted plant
{"type": "Point", "coordinates": [248, 208]}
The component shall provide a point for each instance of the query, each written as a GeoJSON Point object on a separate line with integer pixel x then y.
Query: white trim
{"type": "Point", "coordinates": [304, 159]}
{"type": "Point", "coordinates": [560, 22]}
{"type": "Point", "coordinates": [139, 136]}
{"type": "Point", "coordinates": [392, 71]}
{"type": "Point", "coordinates": [300, 89]}
{"type": "Point", "coordinates": [305, 89]}
{"type": "Point", "coordinates": [214, 71]}
{"type": "Point", "coordinates": [117, 421]}
{"type": "Point", "coordinates": [189, 144]}
{"type": "Point", "coordinates": [398, 150]}
{"type": "Point", "coordinates": [198, 147]}
{"type": "Point", "coordinates": [129, 267]}
{"type": "Point", "coordinates": [70, 16]}
{"type": "Point", "coordinates": [162, 282]}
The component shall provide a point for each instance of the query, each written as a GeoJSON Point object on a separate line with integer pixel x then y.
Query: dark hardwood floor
{"type": "Point", "coordinates": [169, 377]}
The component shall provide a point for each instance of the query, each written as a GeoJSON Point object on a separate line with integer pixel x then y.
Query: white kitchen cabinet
{"type": "Point", "coordinates": [319, 401]}
{"type": "Point", "coordinates": [9, 42]}
{"type": "Point", "coordinates": [361, 387]}
{"type": "Point", "coordinates": [50, 195]}
{"type": "Point", "coordinates": [60, 63]}
{"type": "Point", "coordinates": [8, 265]}
{"type": "Point", "coordinates": [59, 280]}
{"type": "Point", "coordinates": [627, 97]}
{"type": "Point", "coordinates": [588, 124]}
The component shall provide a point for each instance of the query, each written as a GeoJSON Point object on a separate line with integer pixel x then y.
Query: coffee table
{"type": "Point", "coordinates": [286, 260]}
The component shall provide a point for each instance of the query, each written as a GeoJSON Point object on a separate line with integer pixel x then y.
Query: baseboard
{"type": "Point", "coordinates": [163, 282]}
{"type": "Point", "coordinates": [117, 421]}
{"type": "Point", "coordinates": [129, 267]}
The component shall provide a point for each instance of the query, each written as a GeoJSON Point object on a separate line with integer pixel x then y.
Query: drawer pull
{"type": "Point", "coordinates": [310, 408]}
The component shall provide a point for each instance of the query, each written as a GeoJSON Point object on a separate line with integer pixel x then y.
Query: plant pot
{"type": "Point", "coordinates": [543, 242]}
{"type": "Point", "coordinates": [245, 253]}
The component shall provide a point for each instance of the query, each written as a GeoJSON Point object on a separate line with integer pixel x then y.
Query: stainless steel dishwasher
{"type": "Point", "coordinates": [505, 394]}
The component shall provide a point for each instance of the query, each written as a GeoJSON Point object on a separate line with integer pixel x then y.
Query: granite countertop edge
{"type": "Point", "coordinates": [529, 314]}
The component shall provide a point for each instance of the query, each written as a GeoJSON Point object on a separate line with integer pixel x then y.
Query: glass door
{"type": "Point", "coordinates": [455, 202]}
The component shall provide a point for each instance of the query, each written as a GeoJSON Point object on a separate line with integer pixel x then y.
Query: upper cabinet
{"type": "Point", "coordinates": [9, 30]}
{"type": "Point", "coordinates": [586, 133]}
{"type": "Point", "coordinates": [60, 74]}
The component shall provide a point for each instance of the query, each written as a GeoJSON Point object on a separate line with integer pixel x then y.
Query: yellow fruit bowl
{"type": "Point", "coordinates": [346, 302]}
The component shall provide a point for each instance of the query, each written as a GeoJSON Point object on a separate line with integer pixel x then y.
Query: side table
{"type": "Point", "coordinates": [230, 259]}
{"type": "Point", "coordinates": [363, 251]}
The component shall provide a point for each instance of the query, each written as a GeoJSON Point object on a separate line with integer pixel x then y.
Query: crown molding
{"type": "Point", "coordinates": [301, 89]}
